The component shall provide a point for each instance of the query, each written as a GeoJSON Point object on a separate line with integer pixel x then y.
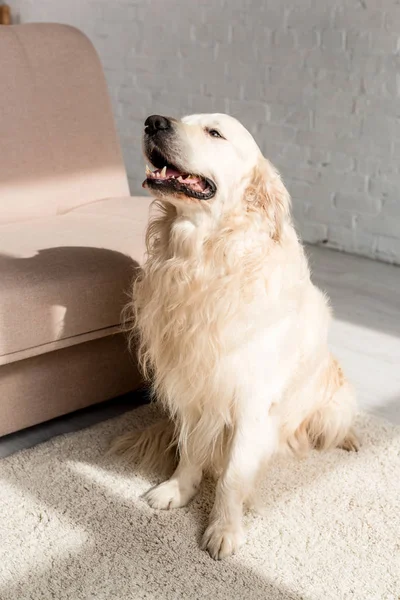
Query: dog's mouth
{"type": "Point", "coordinates": [167, 178]}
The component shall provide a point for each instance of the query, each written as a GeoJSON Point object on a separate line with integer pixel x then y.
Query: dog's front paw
{"type": "Point", "coordinates": [168, 495]}
{"type": "Point", "coordinates": [222, 539]}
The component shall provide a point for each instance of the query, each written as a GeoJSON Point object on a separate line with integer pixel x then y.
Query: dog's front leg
{"type": "Point", "coordinates": [179, 489]}
{"type": "Point", "coordinates": [254, 441]}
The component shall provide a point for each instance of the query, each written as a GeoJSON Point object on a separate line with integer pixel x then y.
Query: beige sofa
{"type": "Point", "coordinates": [70, 234]}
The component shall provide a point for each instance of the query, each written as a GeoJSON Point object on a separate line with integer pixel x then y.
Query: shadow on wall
{"type": "Point", "coordinates": [61, 292]}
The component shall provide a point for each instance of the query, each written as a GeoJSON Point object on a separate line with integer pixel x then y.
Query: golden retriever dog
{"type": "Point", "coordinates": [229, 327]}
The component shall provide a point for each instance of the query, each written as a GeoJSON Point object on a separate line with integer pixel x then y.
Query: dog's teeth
{"type": "Point", "coordinates": [164, 172]}
{"type": "Point", "coordinates": [148, 170]}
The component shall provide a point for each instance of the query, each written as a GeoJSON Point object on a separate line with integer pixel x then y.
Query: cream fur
{"type": "Point", "coordinates": [231, 331]}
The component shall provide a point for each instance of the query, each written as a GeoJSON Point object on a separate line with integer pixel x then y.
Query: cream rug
{"type": "Point", "coordinates": [73, 526]}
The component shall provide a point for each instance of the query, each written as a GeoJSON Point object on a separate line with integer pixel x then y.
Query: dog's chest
{"type": "Point", "coordinates": [204, 289]}
{"type": "Point", "coordinates": [190, 293]}
{"type": "Point", "coordinates": [201, 305]}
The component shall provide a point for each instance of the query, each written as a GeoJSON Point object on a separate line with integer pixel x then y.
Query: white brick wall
{"type": "Point", "coordinates": [316, 81]}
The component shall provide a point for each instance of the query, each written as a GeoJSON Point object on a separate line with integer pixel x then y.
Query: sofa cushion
{"type": "Point", "coordinates": [58, 142]}
{"type": "Point", "coordinates": [65, 279]}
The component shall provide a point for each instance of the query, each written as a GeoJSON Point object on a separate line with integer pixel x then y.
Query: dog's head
{"type": "Point", "coordinates": [211, 162]}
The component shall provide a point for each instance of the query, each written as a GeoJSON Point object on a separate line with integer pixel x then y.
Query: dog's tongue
{"type": "Point", "coordinates": [195, 182]}
{"type": "Point", "coordinates": [198, 184]}
{"type": "Point", "coordinates": [177, 175]}
{"type": "Point", "coordinates": [201, 185]}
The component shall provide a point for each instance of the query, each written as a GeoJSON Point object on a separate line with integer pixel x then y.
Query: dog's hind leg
{"type": "Point", "coordinates": [331, 425]}
{"type": "Point", "coordinates": [328, 419]}
{"type": "Point", "coordinates": [351, 442]}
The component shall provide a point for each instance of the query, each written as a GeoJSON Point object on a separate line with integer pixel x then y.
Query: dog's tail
{"type": "Point", "coordinates": [154, 448]}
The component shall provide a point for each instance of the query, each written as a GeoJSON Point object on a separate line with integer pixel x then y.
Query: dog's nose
{"type": "Point", "coordinates": [156, 123]}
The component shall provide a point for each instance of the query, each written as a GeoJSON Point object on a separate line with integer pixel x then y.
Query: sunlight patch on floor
{"type": "Point", "coordinates": [42, 532]}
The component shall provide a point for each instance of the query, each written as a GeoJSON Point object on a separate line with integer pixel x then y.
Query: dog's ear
{"type": "Point", "coordinates": [266, 194]}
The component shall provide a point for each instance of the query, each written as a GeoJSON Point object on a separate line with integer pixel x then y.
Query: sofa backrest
{"type": "Point", "coordinates": [58, 145]}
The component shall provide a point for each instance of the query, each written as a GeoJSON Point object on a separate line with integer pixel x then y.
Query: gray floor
{"type": "Point", "coordinates": [365, 336]}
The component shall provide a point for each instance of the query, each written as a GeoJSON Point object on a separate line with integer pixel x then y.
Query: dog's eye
{"type": "Point", "coordinates": [214, 133]}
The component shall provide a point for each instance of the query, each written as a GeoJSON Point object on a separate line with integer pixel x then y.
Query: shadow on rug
{"type": "Point", "coordinates": [73, 526]}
